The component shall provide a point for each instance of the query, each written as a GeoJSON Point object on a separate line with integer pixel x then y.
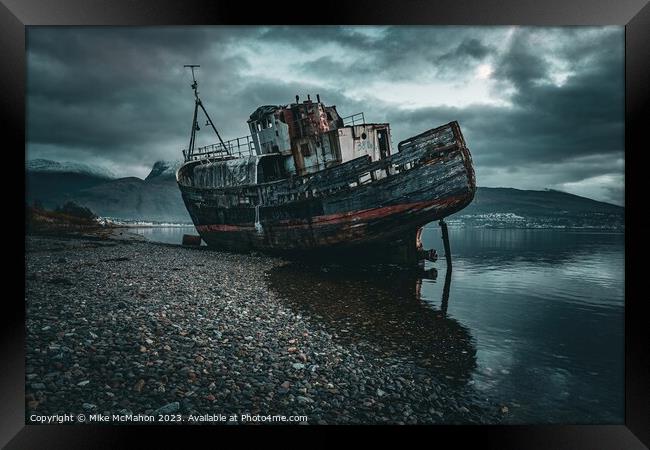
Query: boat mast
{"type": "Point", "coordinates": [195, 125]}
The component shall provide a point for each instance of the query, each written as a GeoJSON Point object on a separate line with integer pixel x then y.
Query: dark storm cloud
{"type": "Point", "coordinates": [306, 38]}
{"type": "Point", "coordinates": [467, 49]}
{"type": "Point", "coordinates": [120, 96]}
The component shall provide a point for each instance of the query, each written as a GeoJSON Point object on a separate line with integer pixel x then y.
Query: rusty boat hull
{"type": "Point", "coordinates": [358, 210]}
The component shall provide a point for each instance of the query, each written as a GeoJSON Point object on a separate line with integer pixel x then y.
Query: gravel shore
{"type": "Point", "coordinates": [131, 327]}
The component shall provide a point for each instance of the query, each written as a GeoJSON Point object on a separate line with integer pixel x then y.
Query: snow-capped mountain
{"type": "Point", "coordinates": [164, 169]}
{"type": "Point", "coordinates": [49, 166]}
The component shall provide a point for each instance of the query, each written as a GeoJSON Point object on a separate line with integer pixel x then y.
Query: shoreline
{"type": "Point", "coordinates": [121, 325]}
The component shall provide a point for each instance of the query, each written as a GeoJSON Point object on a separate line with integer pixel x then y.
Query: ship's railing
{"type": "Point", "coordinates": [354, 119]}
{"type": "Point", "coordinates": [238, 147]}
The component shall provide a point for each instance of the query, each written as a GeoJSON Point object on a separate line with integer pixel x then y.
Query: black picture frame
{"type": "Point", "coordinates": [15, 15]}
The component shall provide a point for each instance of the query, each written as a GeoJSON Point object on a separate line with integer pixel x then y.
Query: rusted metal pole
{"type": "Point", "coordinates": [445, 291]}
{"type": "Point", "coordinates": [445, 241]}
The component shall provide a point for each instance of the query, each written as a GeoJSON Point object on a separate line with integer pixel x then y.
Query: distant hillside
{"type": "Point", "coordinates": [50, 182]}
{"type": "Point", "coordinates": [68, 218]}
{"type": "Point", "coordinates": [549, 208]}
{"type": "Point", "coordinates": [156, 198]}
{"type": "Point", "coordinates": [543, 203]}
{"type": "Point", "coordinates": [152, 199]}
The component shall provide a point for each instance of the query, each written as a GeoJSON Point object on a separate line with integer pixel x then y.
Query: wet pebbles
{"type": "Point", "coordinates": [142, 328]}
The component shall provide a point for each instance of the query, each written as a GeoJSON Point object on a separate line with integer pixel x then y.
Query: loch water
{"type": "Point", "coordinates": [546, 312]}
{"type": "Point", "coordinates": [165, 234]}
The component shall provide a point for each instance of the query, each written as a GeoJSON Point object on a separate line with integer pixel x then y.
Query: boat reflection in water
{"type": "Point", "coordinates": [382, 312]}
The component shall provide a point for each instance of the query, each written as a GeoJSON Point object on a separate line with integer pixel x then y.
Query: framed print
{"type": "Point", "coordinates": [418, 217]}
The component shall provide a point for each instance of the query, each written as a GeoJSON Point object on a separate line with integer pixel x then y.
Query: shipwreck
{"type": "Point", "coordinates": [309, 182]}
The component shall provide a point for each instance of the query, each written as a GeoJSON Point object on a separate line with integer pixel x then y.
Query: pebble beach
{"type": "Point", "coordinates": [125, 326]}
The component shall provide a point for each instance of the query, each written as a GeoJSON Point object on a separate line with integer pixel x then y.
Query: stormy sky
{"type": "Point", "coordinates": [539, 107]}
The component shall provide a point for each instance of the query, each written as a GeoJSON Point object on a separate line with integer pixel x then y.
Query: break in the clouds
{"type": "Point", "coordinates": [539, 107]}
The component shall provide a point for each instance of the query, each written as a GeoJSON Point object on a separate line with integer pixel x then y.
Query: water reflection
{"type": "Point", "coordinates": [532, 319]}
{"type": "Point", "coordinates": [167, 235]}
{"type": "Point", "coordinates": [492, 249]}
{"type": "Point", "coordinates": [383, 311]}
{"type": "Point", "coordinates": [545, 309]}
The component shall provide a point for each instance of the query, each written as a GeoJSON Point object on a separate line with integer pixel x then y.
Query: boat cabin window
{"type": "Point", "coordinates": [263, 124]}
{"type": "Point", "coordinates": [270, 168]}
{"type": "Point", "coordinates": [382, 140]}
